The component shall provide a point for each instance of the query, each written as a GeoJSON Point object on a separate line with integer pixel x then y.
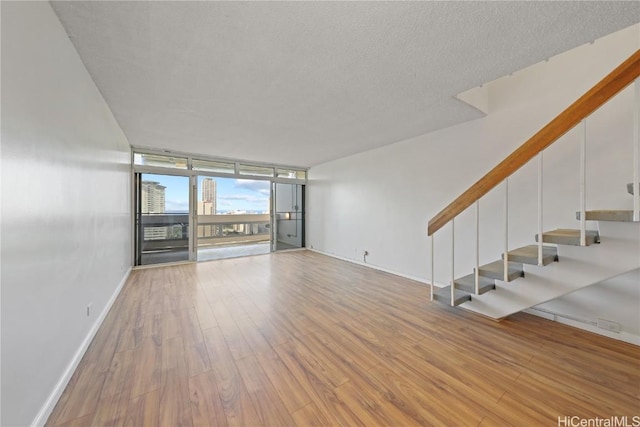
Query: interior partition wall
{"type": "Point", "coordinates": [195, 209]}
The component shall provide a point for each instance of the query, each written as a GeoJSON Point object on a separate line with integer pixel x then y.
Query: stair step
{"type": "Point", "coordinates": [468, 284]}
{"type": "Point", "coordinates": [630, 187]}
{"type": "Point", "coordinates": [615, 215]}
{"type": "Point", "coordinates": [529, 255]}
{"type": "Point", "coordinates": [564, 236]}
{"type": "Point", "coordinates": [495, 270]}
{"type": "Point", "coordinates": [444, 295]}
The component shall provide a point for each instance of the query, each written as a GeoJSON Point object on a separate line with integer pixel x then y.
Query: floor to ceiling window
{"type": "Point", "coordinates": [233, 217]}
{"type": "Point", "coordinates": [288, 216]}
{"type": "Point", "coordinates": [162, 218]}
{"type": "Point", "coordinates": [194, 209]}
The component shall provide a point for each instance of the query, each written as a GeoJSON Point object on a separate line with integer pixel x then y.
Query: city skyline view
{"type": "Point", "coordinates": [232, 194]}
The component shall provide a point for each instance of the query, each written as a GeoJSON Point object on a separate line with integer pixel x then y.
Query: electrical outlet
{"type": "Point", "coordinates": [89, 308]}
{"type": "Point", "coordinates": [609, 325]}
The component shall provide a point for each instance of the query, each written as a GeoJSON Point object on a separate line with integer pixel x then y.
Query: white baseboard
{"type": "Point", "coordinates": [558, 317]}
{"type": "Point", "coordinates": [57, 391]}
{"type": "Point", "coordinates": [375, 267]}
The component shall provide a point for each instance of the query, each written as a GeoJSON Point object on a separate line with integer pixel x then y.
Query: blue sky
{"type": "Point", "coordinates": [233, 194]}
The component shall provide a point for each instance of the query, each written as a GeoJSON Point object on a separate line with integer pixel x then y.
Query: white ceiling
{"type": "Point", "coordinates": [302, 83]}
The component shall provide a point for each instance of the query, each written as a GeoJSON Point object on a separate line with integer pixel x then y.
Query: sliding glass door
{"type": "Point", "coordinates": [232, 217]}
{"type": "Point", "coordinates": [288, 216]}
{"type": "Point", "coordinates": [162, 219]}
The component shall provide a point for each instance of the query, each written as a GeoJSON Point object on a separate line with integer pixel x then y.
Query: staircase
{"type": "Point", "coordinates": [566, 267]}
{"type": "Point", "coordinates": [562, 260]}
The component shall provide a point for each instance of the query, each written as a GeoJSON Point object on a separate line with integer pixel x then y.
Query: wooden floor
{"type": "Point", "coordinates": [302, 339]}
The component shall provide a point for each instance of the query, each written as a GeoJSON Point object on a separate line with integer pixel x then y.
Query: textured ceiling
{"type": "Point", "coordinates": [301, 83]}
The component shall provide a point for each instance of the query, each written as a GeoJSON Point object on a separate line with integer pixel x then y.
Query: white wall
{"type": "Point", "coordinates": [65, 207]}
{"type": "Point", "coordinates": [584, 307]}
{"type": "Point", "coordinates": [381, 200]}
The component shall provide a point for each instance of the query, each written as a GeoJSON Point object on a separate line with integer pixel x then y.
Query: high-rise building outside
{"type": "Point", "coordinates": [153, 200]}
{"type": "Point", "coordinates": [208, 190]}
{"type": "Point", "coordinates": [207, 205]}
{"type": "Point", "coordinates": [206, 208]}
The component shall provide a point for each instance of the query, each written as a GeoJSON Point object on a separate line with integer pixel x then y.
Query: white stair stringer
{"type": "Point", "coordinates": [579, 267]}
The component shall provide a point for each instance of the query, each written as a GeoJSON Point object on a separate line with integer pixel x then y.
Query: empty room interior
{"type": "Point", "coordinates": [320, 213]}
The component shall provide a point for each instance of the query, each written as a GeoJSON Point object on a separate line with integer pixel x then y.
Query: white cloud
{"type": "Point", "coordinates": [261, 187]}
{"type": "Point", "coordinates": [246, 198]}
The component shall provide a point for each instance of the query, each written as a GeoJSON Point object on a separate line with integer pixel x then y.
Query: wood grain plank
{"type": "Point", "coordinates": [171, 326]}
{"type": "Point", "coordinates": [144, 410]}
{"type": "Point", "coordinates": [206, 406]}
{"type": "Point", "coordinates": [238, 407]}
{"type": "Point", "coordinates": [173, 357]}
{"type": "Point", "coordinates": [352, 351]}
{"type": "Point", "coordinates": [272, 331]}
{"type": "Point", "coordinates": [253, 336]}
{"type": "Point", "coordinates": [473, 373]}
{"type": "Point", "coordinates": [116, 392]}
{"type": "Point", "coordinates": [489, 421]}
{"type": "Point", "coordinates": [197, 359]}
{"type": "Point", "coordinates": [415, 402]}
{"type": "Point", "coordinates": [77, 422]}
{"type": "Point", "coordinates": [270, 408]}
{"type": "Point", "coordinates": [62, 404]}
{"type": "Point", "coordinates": [84, 395]}
{"type": "Point", "coordinates": [148, 361]}
{"type": "Point", "coordinates": [111, 411]}
{"type": "Point", "coordinates": [205, 316]}
{"type": "Point", "coordinates": [322, 395]}
{"type": "Point", "coordinates": [369, 408]}
{"type": "Point", "coordinates": [443, 387]}
{"type": "Point", "coordinates": [217, 348]}
{"type": "Point", "coordinates": [175, 404]}
{"type": "Point", "coordinates": [238, 346]}
{"type": "Point", "coordinates": [190, 327]}
{"type": "Point", "coordinates": [310, 354]}
{"type": "Point", "coordinates": [309, 415]}
{"type": "Point", "coordinates": [103, 347]}
{"type": "Point", "coordinates": [126, 340]}
{"type": "Point", "coordinates": [286, 385]}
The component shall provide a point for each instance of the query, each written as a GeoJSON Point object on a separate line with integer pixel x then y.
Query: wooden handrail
{"type": "Point", "coordinates": [595, 97]}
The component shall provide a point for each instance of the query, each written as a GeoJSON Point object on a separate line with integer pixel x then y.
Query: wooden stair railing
{"type": "Point", "coordinates": [594, 98]}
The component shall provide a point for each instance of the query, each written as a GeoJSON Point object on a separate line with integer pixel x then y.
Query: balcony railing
{"type": "Point", "coordinates": [164, 232]}
{"type": "Point", "coordinates": [170, 232]}
{"type": "Point", "coordinates": [216, 230]}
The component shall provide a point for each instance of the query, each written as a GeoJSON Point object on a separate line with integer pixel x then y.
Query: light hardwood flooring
{"type": "Point", "coordinates": [303, 339]}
